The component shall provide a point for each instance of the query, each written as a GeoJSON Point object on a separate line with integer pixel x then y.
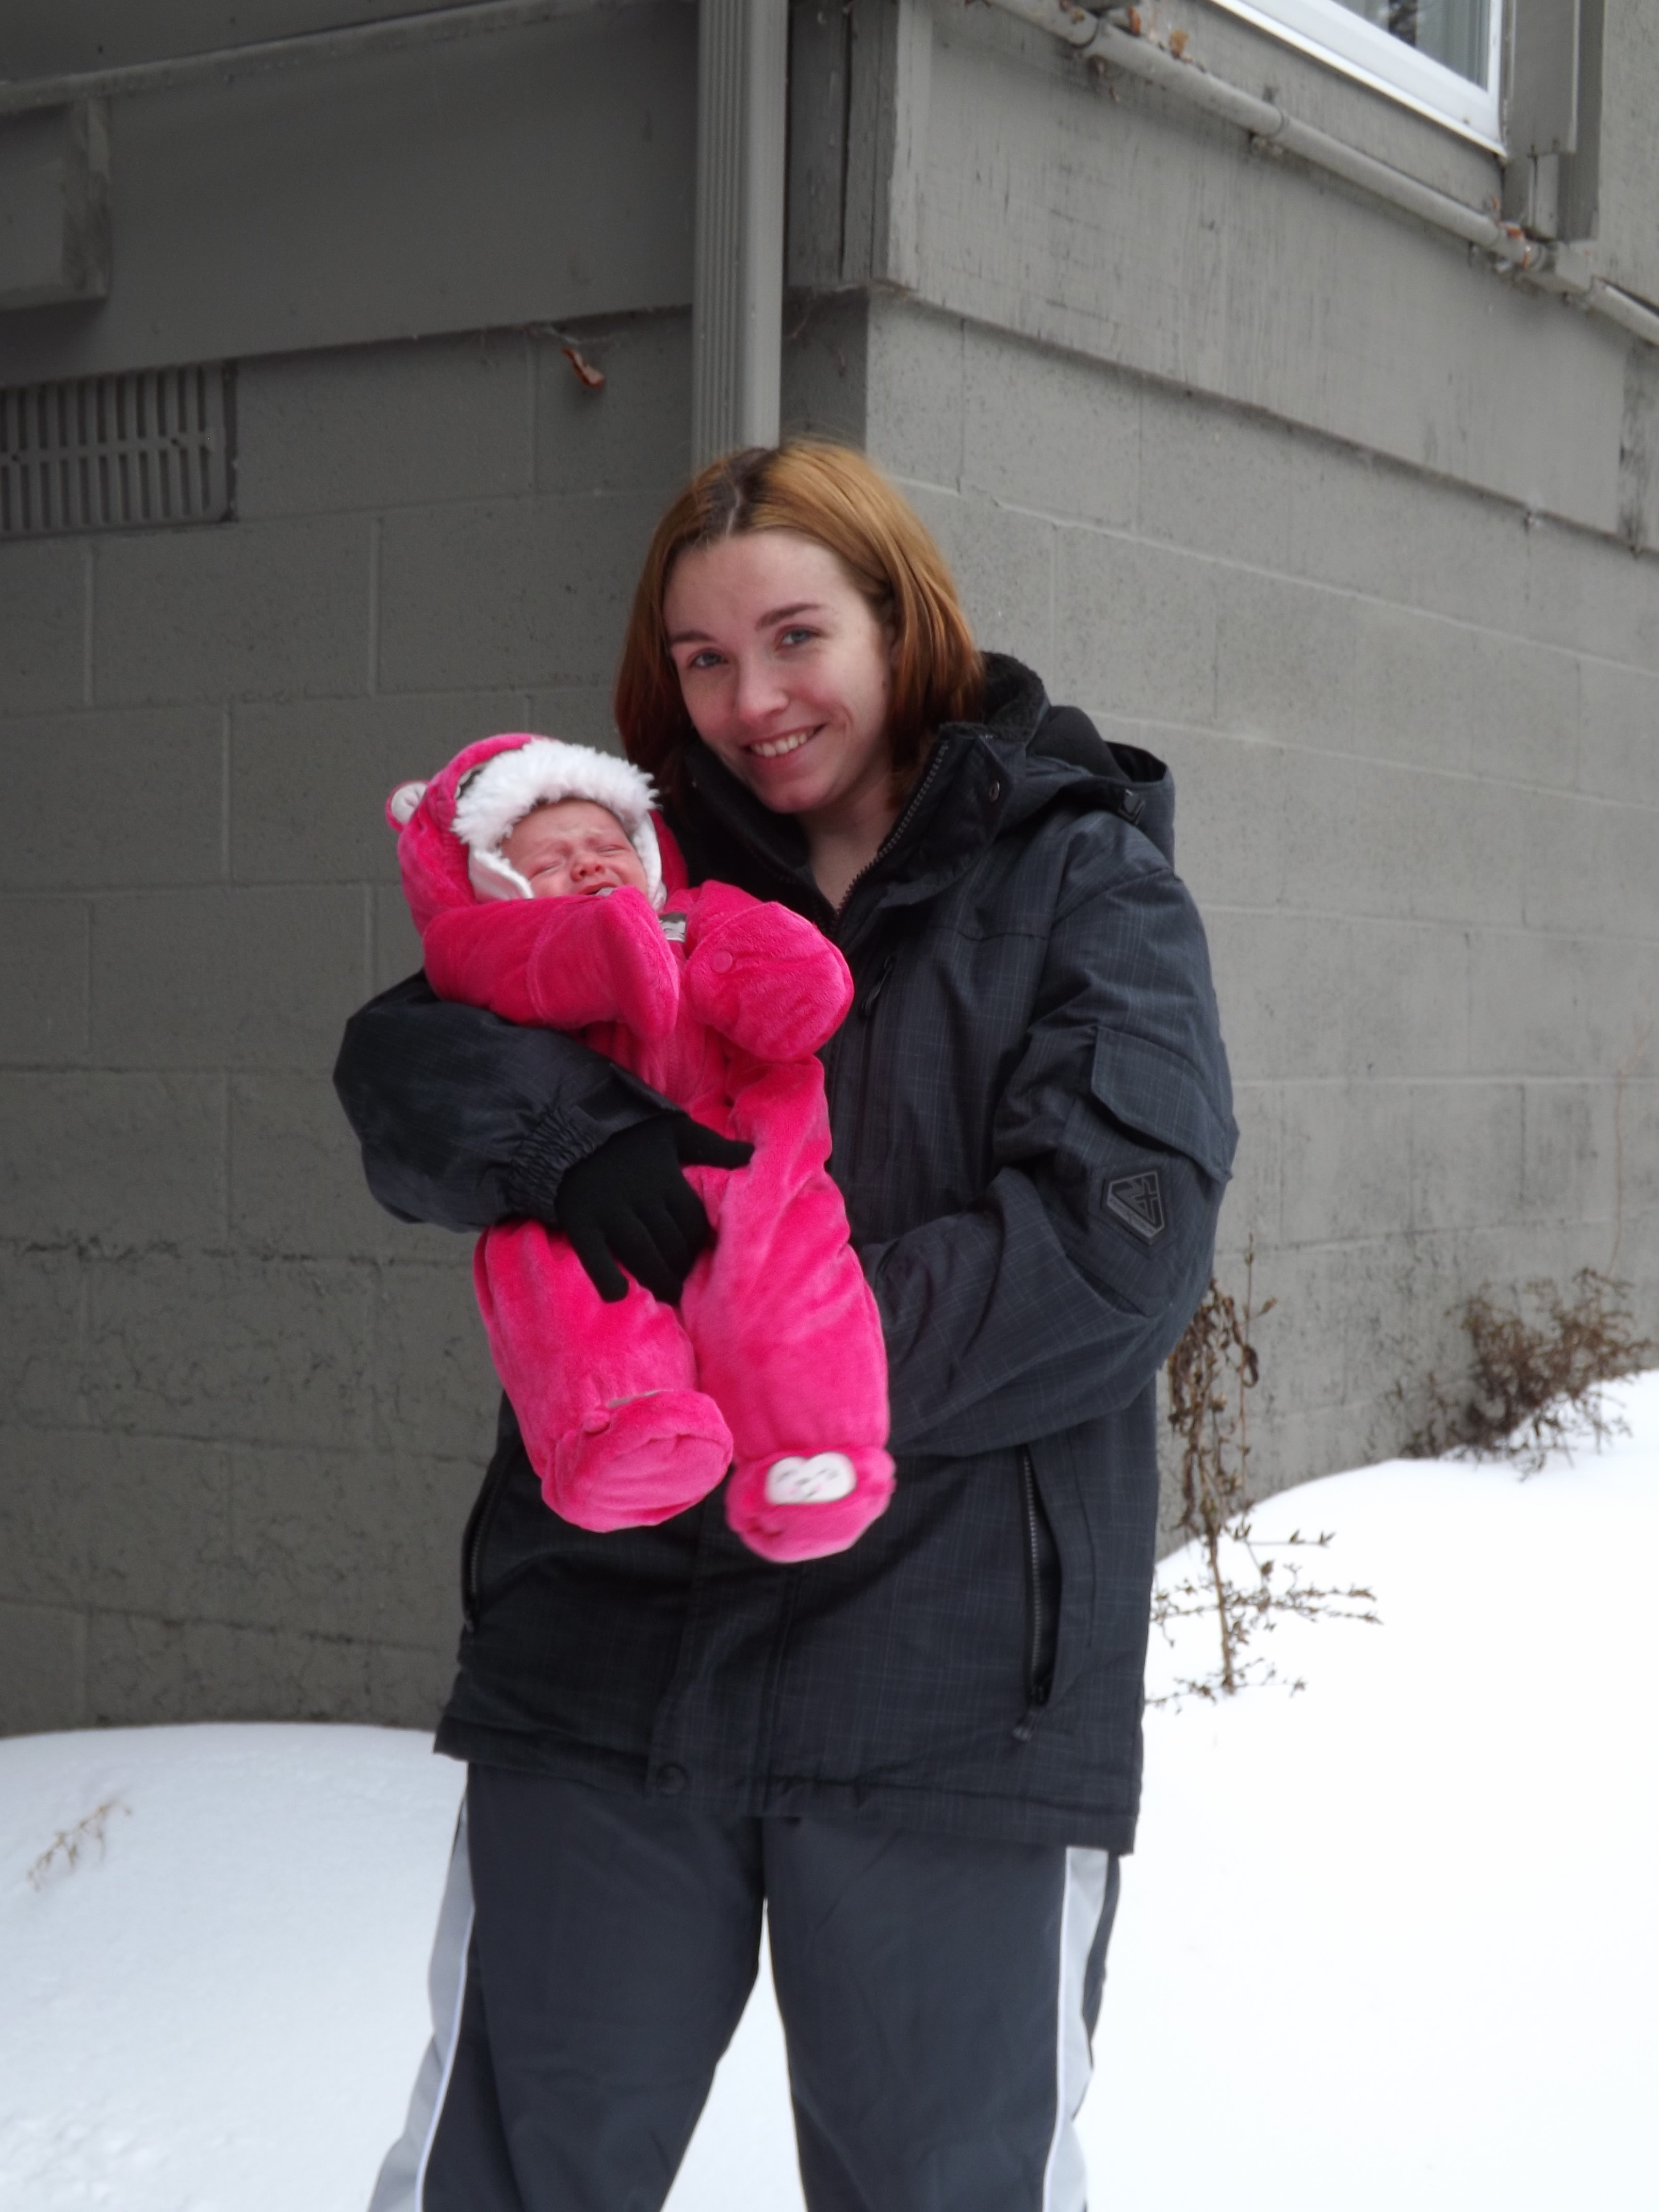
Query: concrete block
{"type": "Point", "coordinates": [408, 1685]}
{"type": "Point", "coordinates": [1280, 981]}
{"type": "Point", "coordinates": [43, 1339]}
{"type": "Point", "coordinates": [44, 963]}
{"type": "Point", "coordinates": [1405, 1000]}
{"type": "Point", "coordinates": [916, 397]}
{"type": "Point", "coordinates": [1285, 655]}
{"type": "Point", "coordinates": [1364, 837]}
{"type": "Point", "coordinates": [43, 1670]}
{"type": "Point", "coordinates": [1524, 706]}
{"type": "Point", "coordinates": [1214, 479]}
{"type": "Point", "coordinates": [1542, 1002]}
{"type": "Point", "coordinates": [1049, 431]}
{"type": "Point", "coordinates": [128, 1521]}
{"type": "Point", "coordinates": [296, 1179]}
{"type": "Point", "coordinates": [1593, 595]}
{"type": "Point", "coordinates": [1231, 804]}
{"type": "Point", "coordinates": [435, 1389]}
{"type": "Point", "coordinates": [1345, 1160]}
{"type": "Point", "coordinates": [97, 801]}
{"type": "Point", "coordinates": [1386, 530]}
{"type": "Point", "coordinates": [634, 435]}
{"type": "Point", "coordinates": [309, 780]}
{"type": "Point", "coordinates": [1395, 1326]}
{"type": "Point", "coordinates": [235, 978]}
{"type": "Point", "coordinates": [144, 1673]}
{"type": "Point", "coordinates": [1591, 864]}
{"type": "Point", "coordinates": [1634, 1181]}
{"type": "Point", "coordinates": [1135, 628]}
{"type": "Point", "coordinates": [1619, 732]}
{"type": "Point", "coordinates": [43, 613]}
{"type": "Point", "coordinates": [247, 609]}
{"type": "Point", "coordinates": [363, 1546]}
{"type": "Point", "coordinates": [203, 1344]}
{"type": "Point", "coordinates": [1468, 1144]}
{"type": "Point", "coordinates": [825, 361]}
{"type": "Point", "coordinates": [384, 426]}
{"type": "Point", "coordinates": [1568, 1166]}
{"type": "Point", "coordinates": [1300, 1343]}
{"type": "Point", "coordinates": [1250, 1212]}
{"type": "Point", "coordinates": [579, 713]}
{"type": "Point", "coordinates": [396, 944]}
{"type": "Point", "coordinates": [530, 592]}
{"type": "Point", "coordinates": [1004, 564]}
{"type": "Point", "coordinates": [111, 1159]}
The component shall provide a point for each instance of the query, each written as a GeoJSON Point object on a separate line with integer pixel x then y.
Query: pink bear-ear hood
{"type": "Point", "coordinates": [450, 830]}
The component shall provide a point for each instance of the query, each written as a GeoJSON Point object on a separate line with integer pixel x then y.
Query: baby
{"type": "Point", "coordinates": [535, 875]}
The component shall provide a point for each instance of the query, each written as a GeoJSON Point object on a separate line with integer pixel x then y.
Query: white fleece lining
{"type": "Point", "coordinates": [496, 796]}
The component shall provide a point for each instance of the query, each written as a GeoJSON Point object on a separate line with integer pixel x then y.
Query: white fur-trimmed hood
{"type": "Point", "coordinates": [493, 797]}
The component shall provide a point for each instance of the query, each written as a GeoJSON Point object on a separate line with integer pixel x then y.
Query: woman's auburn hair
{"type": "Point", "coordinates": [834, 496]}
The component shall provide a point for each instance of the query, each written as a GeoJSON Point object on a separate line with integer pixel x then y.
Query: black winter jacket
{"type": "Point", "coordinates": [1032, 1132]}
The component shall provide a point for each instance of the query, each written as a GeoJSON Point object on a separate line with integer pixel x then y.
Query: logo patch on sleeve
{"type": "Point", "coordinates": [1137, 1201]}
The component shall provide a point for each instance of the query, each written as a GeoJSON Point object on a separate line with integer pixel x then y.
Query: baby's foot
{"type": "Point", "coordinates": [795, 1505]}
{"type": "Point", "coordinates": [631, 1465]}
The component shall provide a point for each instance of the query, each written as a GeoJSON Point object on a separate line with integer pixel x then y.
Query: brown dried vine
{"type": "Point", "coordinates": [1212, 1372]}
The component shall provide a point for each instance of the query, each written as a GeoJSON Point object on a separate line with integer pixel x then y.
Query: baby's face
{"type": "Point", "coordinates": [573, 849]}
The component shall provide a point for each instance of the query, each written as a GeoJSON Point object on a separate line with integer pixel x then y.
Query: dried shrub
{"type": "Point", "coordinates": [1211, 1373]}
{"type": "Point", "coordinates": [1536, 1384]}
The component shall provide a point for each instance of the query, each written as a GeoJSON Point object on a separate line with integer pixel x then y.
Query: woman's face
{"type": "Point", "coordinates": [787, 674]}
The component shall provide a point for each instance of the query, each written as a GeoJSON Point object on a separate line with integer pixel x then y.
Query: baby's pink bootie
{"type": "Point", "coordinates": [633, 1465]}
{"type": "Point", "coordinates": [804, 1505]}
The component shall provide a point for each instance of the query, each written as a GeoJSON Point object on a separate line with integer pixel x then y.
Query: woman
{"type": "Point", "coordinates": [922, 1755]}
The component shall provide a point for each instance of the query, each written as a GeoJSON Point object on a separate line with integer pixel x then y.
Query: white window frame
{"type": "Point", "coordinates": [1335, 35]}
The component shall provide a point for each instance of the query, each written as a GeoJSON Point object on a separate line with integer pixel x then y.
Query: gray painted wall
{"type": "Point", "coordinates": [1280, 486]}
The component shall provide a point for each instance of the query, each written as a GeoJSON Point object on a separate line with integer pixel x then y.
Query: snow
{"type": "Point", "coordinates": [1388, 1940]}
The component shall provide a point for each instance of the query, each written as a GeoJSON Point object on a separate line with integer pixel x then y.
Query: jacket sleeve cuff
{"type": "Point", "coordinates": [565, 1134]}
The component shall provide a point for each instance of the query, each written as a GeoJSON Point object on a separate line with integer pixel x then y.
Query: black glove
{"type": "Point", "coordinates": [628, 1205]}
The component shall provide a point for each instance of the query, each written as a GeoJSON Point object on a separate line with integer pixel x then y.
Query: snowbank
{"type": "Point", "coordinates": [1390, 1940]}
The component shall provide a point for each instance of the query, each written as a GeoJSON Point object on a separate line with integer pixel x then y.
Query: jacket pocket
{"type": "Point", "coordinates": [1043, 1596]}
{"type": "Point", "coordinates": [1160, 1095]}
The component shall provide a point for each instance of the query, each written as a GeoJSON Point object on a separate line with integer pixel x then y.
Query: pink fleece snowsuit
{"type": "Point", "coordinates": [631, 1411]}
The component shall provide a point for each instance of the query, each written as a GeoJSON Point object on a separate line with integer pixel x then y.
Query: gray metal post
{"type": "Point", "coordinates": [737, 313]}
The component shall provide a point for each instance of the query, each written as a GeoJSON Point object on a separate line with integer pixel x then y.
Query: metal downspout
{"type": "Point", "coordinates": [736, 284]}
{"type": "Point", "coordinates": [1565, 270]}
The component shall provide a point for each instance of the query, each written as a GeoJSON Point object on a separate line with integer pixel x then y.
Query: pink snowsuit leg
{"type": "Point", "coordinates": [607, 1395]}
{"type": "Point", "coordinates": [786, 1330]}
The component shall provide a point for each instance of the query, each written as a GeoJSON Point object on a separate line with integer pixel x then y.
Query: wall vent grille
{"type": "Point", "coordinates": [116, 452]}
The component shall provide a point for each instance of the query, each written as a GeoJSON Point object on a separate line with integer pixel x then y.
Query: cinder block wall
{"type": "Point", "coordinates": [244, 1413]}
{"type": "Point", "coordinates": [1415, 734]}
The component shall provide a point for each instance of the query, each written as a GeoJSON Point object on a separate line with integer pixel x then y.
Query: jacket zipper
{"type": "Point", "coordinates": [1038, 1683]}
{"type": "Point", "coordinates": [893, 836]}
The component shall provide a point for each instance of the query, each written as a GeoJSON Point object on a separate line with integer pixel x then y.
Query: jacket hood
{"type": "Point", "coordinates": [450, 830]}
{"type": "Point", "coordinates": [1020, 758]}
{"type": "Point", "coordinates": [1062, 751]}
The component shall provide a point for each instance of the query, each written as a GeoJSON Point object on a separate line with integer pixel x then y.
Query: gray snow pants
{"type": "Point", "coordinates": [594, 1954]}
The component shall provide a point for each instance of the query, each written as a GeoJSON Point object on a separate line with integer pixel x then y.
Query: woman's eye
{"type": "Point", "coordinates": [707, 659]}
{"type": "Point", "coordinates": [796, 636]}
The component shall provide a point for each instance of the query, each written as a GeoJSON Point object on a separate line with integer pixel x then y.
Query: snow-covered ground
{"type": "Point", "coordinates": [1391, 1941]}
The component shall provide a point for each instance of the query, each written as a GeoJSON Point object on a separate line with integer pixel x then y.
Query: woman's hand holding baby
{"type": "Point", "coordinates": [629, 1204]}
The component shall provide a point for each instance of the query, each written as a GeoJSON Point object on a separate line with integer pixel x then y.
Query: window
{"type": "Point", "coordinates": [1440, 57]}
